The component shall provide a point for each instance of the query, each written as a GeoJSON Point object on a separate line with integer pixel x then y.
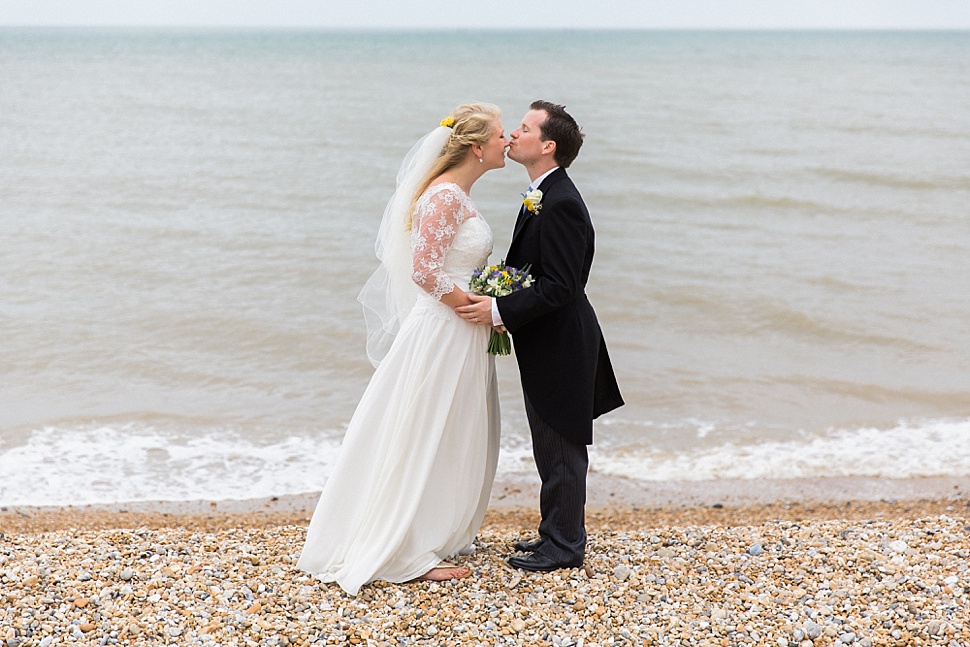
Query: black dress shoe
{"type": "Point", "coordinates": [537, 562]}
{"type": "Point", "coordinates": [528, 546]}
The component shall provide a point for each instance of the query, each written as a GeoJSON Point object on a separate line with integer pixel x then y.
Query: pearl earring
{"type": "Point", "coordinates": [481, 159]}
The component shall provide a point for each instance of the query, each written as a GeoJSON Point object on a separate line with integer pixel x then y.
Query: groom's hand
{"type": "Point", "coordinates": [479, 311]}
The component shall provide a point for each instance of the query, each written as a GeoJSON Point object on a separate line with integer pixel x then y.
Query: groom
{"type": "Point", "coordinates": [567, 378]}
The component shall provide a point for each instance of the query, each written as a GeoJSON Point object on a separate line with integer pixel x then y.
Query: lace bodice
{"type": "Point", "coordinates": [449, 240]}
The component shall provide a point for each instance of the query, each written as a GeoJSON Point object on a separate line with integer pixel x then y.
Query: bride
{"type": "Point", "coordinates": [415, 470]}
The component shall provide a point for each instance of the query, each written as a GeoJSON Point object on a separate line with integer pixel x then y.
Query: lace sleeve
{"type": "Point", "coordinates": [436, 221]}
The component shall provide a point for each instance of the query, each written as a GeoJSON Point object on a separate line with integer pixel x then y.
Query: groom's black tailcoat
{"type": "Point", "coordinates": [565, 369]}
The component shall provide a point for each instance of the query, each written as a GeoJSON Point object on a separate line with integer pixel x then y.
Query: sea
{"type": "Point", "coordinates": [782, 268]}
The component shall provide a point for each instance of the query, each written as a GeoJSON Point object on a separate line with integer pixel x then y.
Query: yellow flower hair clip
{"type": "Point", "coordinates": [448, 122]}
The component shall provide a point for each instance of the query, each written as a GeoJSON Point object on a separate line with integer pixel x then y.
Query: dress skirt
{"type": "Point", "coordinates": [414, 474]}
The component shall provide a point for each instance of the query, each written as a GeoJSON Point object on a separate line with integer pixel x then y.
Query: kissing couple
{"type": "Point", "coordinates": [411, 485]}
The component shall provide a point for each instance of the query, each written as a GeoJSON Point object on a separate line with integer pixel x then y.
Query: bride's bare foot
{"type": "Point", "coordinates": [445, 571]}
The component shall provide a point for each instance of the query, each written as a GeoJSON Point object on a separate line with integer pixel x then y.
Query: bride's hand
{"type": "Point", "coordinates": [456, 298]}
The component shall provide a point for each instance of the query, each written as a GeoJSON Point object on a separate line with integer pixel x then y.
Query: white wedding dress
{"type": "Point", "coordinates": [415, 470]}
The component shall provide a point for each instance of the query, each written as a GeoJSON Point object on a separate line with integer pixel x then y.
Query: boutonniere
{"type": "Point", "coordinates": [532, 200]}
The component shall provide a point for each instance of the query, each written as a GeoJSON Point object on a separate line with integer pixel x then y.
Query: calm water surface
{"type": "Point", "coordinates": [783, 247]}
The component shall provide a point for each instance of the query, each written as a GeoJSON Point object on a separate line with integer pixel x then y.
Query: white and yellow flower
{"type": "Point", "coordinates": [532, 200]}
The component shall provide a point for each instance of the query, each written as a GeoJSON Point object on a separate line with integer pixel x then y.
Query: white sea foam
{"type": "Point", "coordinates": [61, 466]}
{"type": "Point", "coordinates": [105, 464]}
{"type": "Point", "coordinates": [58, 466]}
{"type": "Point", "coordinates": [909, 449]}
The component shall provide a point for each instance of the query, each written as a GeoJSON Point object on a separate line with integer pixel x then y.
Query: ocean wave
{"type": "Point", "coordinates": [99, 464]}
{"type": "Point", "coordinates": [780, 203]}
{"type": "Point", "coordinates": [908, 450]}
{"type": "Point", "coordinates": [894, 181]}
{"type": "Point", "coordinates": [102, 464]}
{"type": "Point", "coordinates": [775, 315]}
{"type": "Point", "coordinates": [740, 203]}
{"type": "Point", "coordinates": [704, 308]}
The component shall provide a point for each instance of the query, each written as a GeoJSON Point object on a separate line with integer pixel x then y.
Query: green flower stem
{"type": "Point", "coordinates": [499, 343]}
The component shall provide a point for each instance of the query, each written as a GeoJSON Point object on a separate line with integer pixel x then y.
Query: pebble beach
{"type": "Point", "coordinates": [792, 574]}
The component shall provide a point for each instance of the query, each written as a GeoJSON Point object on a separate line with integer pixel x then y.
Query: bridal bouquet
{"type": "Point", "coordinates": [498, 281]}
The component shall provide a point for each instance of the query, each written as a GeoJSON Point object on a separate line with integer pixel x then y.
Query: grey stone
{"type": "Point", "coordinates": [622, 572]}
{"type": "Point", "coordinates": [812, 630]}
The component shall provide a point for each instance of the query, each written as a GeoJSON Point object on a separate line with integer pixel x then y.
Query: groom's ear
{"type": "Point", "coordinates": [549, 147]}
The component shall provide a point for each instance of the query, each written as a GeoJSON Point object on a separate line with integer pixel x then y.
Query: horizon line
{"type": "Point", "coordinates": [384, 29]}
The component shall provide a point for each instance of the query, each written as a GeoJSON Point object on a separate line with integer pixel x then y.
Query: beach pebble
{"type": "Point", "coordinates": [822, 589]}
{"type": "Point", "coordinates": [755, 550]}
{"type": "Point", "coordinates": [812, 630]}
{"type": "Point", "coordinates": [621, 572]}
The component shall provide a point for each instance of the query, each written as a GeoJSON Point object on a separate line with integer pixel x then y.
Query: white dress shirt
{"type": "Point", "coordinates": [496, 316]}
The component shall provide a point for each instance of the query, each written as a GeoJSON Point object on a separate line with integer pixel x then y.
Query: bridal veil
{"type": "Point", "coordinates": [390, 294]}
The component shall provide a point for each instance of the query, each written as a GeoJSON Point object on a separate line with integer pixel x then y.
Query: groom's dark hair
{"type": "Point", "coordinates": [561, 128]}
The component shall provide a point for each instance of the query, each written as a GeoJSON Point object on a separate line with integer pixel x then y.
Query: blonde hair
{"type": "Point", "coordinates": [474, 125]}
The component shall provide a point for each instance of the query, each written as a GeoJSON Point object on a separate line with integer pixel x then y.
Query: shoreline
{"type": "Point", "coordinates": [515, 496]}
